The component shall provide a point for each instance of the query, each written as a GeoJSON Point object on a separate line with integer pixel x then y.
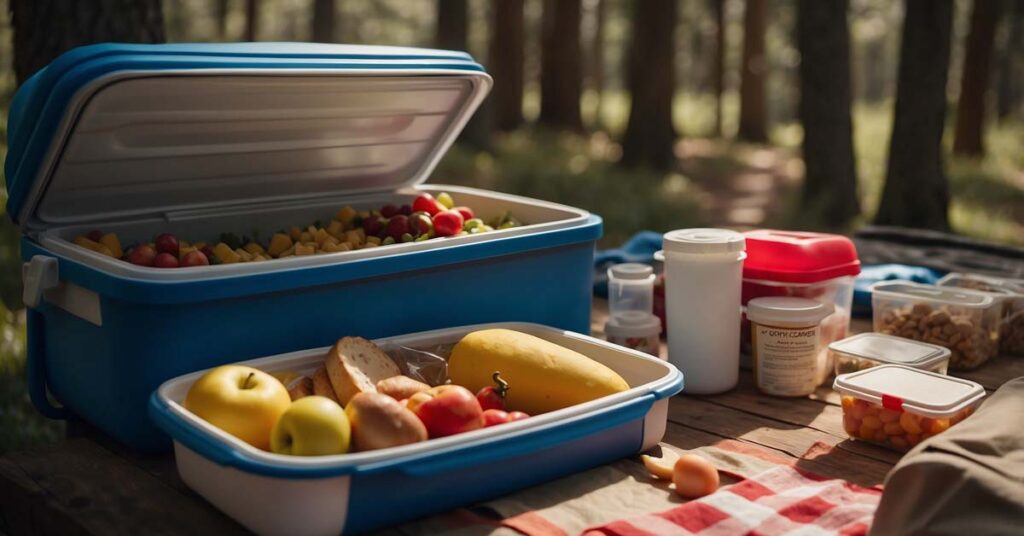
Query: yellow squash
{"type": "Point", "coordinates": [542, 376]}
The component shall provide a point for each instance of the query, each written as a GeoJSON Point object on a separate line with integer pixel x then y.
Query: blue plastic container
{"type": "Point", "coordinates": [358, 492]}
{"type": "Point", "coordinates": [202, 139]}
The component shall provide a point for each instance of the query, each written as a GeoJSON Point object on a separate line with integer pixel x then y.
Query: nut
{"type": "Point", "coordinates": [969, 342]}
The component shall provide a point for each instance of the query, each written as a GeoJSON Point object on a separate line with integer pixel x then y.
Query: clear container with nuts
{"type": "Point", "coordinates": [867, 350]}
{"type": "Point", "coordinates": [898, 407]}
{"type": "Point", "coordinates": [965, 321]}
{"type": "Point", "coordinates": [1011, 291]}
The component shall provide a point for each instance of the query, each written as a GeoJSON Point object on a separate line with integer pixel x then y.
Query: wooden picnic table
{"type": "Point", "coordinates": [90, 484]}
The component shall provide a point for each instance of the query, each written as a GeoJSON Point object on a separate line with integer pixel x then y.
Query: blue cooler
{"type": "Point", "coordinates": [199, 140]}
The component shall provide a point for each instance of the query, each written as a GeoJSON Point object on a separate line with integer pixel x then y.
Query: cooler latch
{"type": "Point", "coordinates": [38, 274]}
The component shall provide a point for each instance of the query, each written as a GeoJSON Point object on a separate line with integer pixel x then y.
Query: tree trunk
{"type": "Point", "coordinates": [452, 25]}
{"type": "Point", "coordinates": [650, 136]}
{"type": "Point", "coordinates": [1011, 59]}
{"type": "Point", "coordinates": [718, 62]}
{"type": "Point", "coordinates": [970, 112]}
{"type": "Point", "coordinates": [44, 29]}
{"type": "Point", "coordinates": [252, 19]}
{"type": "Point", "coordinates": [597, 74]}
{"type": "Point", "coordinates": [323, 25]}
{"type": "Point", "coordinates": [507, 60]}
{"type": "Point", "coordinates": [916, 191]}
{"type": "Point", "coordinates": [560, 77]}
{"type": "Point", "coordinates": [753, 113]}
{"type": "Point", "coordinates": [830, 179]}
{"type": "Point", "coordinates": [220, 15]}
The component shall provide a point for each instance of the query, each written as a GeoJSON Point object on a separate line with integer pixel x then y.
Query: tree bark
{"type": "Point", "coordinates": [830, 179]}
{"type": "Point", "coordinates": [220, 15]}
{"type": "Point", "coordinates": [916, 192]}
{"type": "Point", "coordinates": [323, 21]}
{"type": "Point", "coordinates": [507, 60]}
{"type": "Point", "coordinates": [597, 74]}
{"type": "Point", "coordinates": [44, 29]}
{"type": "Point", "coordinates": [452, 24]}
{"type": "Point", "coordinates": [1011, 58]}
{"type": "Point", "coordinates": [252, 19]}
{"type": "Point", "coordinates": [753, 113]}
{"type": "Point", "coordinates": [969, 133]}
{"type": "Point", "coordinates": [718, 62]}
{"type": "Point", "coordinates": [650, 136]}
{"type": "Point", "coordinates": [560, 78]}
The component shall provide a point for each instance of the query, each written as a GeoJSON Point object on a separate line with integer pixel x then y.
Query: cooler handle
{"type": "Point", "coordinates": [36, 370]}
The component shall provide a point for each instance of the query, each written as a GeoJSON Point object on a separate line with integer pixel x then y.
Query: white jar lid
{"type": "Point", "coordinates": [630, 270]}
{"type": "Point", "coordinates": [703, 241]}
{"type": "Point", "coordinates": [787, 312]}
{"type": "Point", "coordinates": [632, 324]}
{"type": "Point", "coordinates": [897, 387]}
{"type": "Point", "coordinates": [892, 350]}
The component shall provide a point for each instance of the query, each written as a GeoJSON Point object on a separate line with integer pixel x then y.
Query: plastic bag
{"type": "Point", "coordinates": [428, 365]}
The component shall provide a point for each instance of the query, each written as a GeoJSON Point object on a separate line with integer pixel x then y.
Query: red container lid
{"type": "Point", "coordinates": [798, 257]}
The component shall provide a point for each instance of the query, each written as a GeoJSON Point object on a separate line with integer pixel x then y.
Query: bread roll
{"type": "Point", "coordinates": [322, 384]}
{"type": "Point", "coordinates": [355, 365]}
{"type": "Point", "coordinates": [379, 421]}
{"type": "Point", "coordinates": [400, 387]}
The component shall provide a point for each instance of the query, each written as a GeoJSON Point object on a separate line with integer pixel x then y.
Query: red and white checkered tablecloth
{"type": "Point", "coordinates": [782, 500]}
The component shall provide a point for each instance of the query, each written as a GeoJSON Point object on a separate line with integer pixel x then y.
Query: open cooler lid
{"type": "Point", "coordinates": [896, 387]}
{"type": "Point", "coordinates": [112, 131]}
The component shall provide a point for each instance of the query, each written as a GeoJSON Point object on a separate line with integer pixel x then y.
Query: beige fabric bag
{"type": "Point", "coordinates": [968, 480]}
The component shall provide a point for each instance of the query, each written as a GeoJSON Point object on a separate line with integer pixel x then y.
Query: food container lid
{"type": "Point", "coordinates": [630, 270]}
{"type": "Point", "coordinates": [919, 292]}
{"type": "Point", "coordinates": [632, 324]}
{"type": "Point", "coordinates": [787, 312]}
{"type": "Point", "coordinates": [112, 131]}
{"type": "Point", "coordinates": [798, 257]}
{"type": "Point", "coordinates": [703, 241]}
{"type": "Point", "coordinates": [891, 349]}
{"type": "Point", "coordinates": [897, 387]}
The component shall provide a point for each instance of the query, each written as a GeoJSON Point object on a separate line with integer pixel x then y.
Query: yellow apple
{"type": "Point", "coordinates": [311, 426]}
{"type": "Point", "coordinates": [242, 401]}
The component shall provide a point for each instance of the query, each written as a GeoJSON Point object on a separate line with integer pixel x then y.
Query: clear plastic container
{"type": "Point", "coordinates": [868, 350]}
{"type": "Point", "coordinates": [1011, 328]}
{"type": "Point", "coordinates": [965, 321]}
{"type": "Point", "coordinates": [898, 407]}
{"type": "Point", "coordinates": [630, 288]}
{"type": "Point", "coordinates": [635, 329]}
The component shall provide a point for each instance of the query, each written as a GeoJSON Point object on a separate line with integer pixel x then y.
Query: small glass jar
{"type": "Point", "coordinates": [635, 329]}
{"type": "Point", "coordinates": [630, 288]}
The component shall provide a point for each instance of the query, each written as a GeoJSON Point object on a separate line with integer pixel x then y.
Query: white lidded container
{"type": "Point", "coordinates": [630, 288]}
{"type": "Point", "coordinates": [965, 321]}
{"type": "Point", "coordinates": [703, 274]}
{"type": "Point", "coordinates": [788, 358]}
{"type": "Point", "coordinates": [866, 350]}
{"type": "Point", "coordinates": [358, 492]}
{"type": "Point", "coordinates": [1011, 291]}
{"type": "Point", "coordinates": [898, 407]}
{"type": "Point", "coordinates": [636, 330]}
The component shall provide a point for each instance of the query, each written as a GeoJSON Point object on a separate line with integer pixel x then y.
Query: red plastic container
{"type": "Point", "coordinates": [819, 266]}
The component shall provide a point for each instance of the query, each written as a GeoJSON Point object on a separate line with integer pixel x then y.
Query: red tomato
{"type": "Point", "coordinates": [388, 210]}
{"type": "Point", "coordinates": [517, 416]}
{"type": "Point", "coordinates": [447, 410]}
{"type": "Point", "coordinates": [195, 258]}
{"type": "Point", "coordinates": [490, 398]}
{"type": "Point", "coordinates": [373, 225]}
{"type": "Point", "coordinates": [167, 243]}
{"type": "Point", "coordinates": [142, 255]}
{"type": "Point", "coordinates": [494, 416]}
{"type": "Point", "coordinates": [427, 203]}
{"type": "Point", "coordinates": [165, 260]}
{"type": "Point", "coordinates": [466, 212]}
{"type": "Point", "coordinates": [447, 223]}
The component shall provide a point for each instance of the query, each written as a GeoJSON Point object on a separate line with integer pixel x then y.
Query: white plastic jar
{"type": "Point", "coordinates": [630, 288]}
{"type": "Point", "coordinates": [703, 275]}
{"type": "Point", "coordinates": [788, 356]}
{"type": "Point", "coordinates": [635, 329]}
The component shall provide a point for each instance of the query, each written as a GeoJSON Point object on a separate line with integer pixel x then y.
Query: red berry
{"type": "Point", "coordinates": [94, 235]}
{"type": "Point", "coordinates": [195, 258]}
{"type": "Point", "coordinates": [428, 204]}
{"type": "Point", "coordinates": [490, 398]}
{"type": "Point", "coordinates": [448, 223]}
{"type": "Point", "coordinates": [405, 209]}
{"type": "Point", "coordinates": [165, 260]}
{"type": "Point", "coordinates": [517, 416]}
{"type": "Point", "coordinates": [494, 416]}
{"type": "Point", "coordinates": [142, 255]}
{"type": "Point", "coordinates": [398, 226]}
{"type": "Point", "coordinates": [388, 211]}
{"type": "Point", "coordinates": [467, 213]}
{"type": "Point", "coordinates": [373, 225]}
{"type": "Point", "coordinates": [167, 243]}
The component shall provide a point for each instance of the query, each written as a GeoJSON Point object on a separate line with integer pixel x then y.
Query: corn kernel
{"type": "Point", "coordinates": [305, 236]}
{"type": "Point", "coordinates": [320, 235]}
{"type": "Point", "coordinates": [95, 246]}
{"type": "Point", "coordinates": [278, 244]}
{"type": "Point", "coordinates": [113, 244]}
{"type": "Point", "coordinates": [184, 251]}
{"type": "Point", "coordinates": [345, 214]}
{"type": "Point", "coordinates": [295, 232]}
{"type": "Point", "coordinates": [336, 228]}
{"type": "Point", "coordinates": [303, 249]}
{"type": "Point", "coordinates": [253, 248]}
{"type": "Point", "coordinates": [372, 240]}
{"type": "Point", "coordinates": [225, 254]}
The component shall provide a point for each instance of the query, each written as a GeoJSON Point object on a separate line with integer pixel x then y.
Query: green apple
{"type": "Point", "coordinates": [311, 426]}
{"type": "Point", "coordinates": [242, 401]}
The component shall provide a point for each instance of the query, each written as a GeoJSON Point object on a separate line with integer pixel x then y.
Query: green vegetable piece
{"type": "Point", "coordinates": [406, 237]}
{"type": "Point", "coordinates": [387, 241]}
{"type": "Point", "coordinates": [445, 200]}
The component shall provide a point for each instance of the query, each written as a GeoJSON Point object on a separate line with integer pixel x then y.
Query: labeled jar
{"type": "Point", "coordinates": [630, 288]}
{"type": "Point", "coordinates": [788, 355]}
{"type": "Point", "coordinates": [868, 350]}
{"type": "Point", "coordinates": [635, 329]}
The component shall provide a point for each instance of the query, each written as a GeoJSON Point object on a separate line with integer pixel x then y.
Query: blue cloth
{"type": "Point", "coordinates": [639, 248]}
